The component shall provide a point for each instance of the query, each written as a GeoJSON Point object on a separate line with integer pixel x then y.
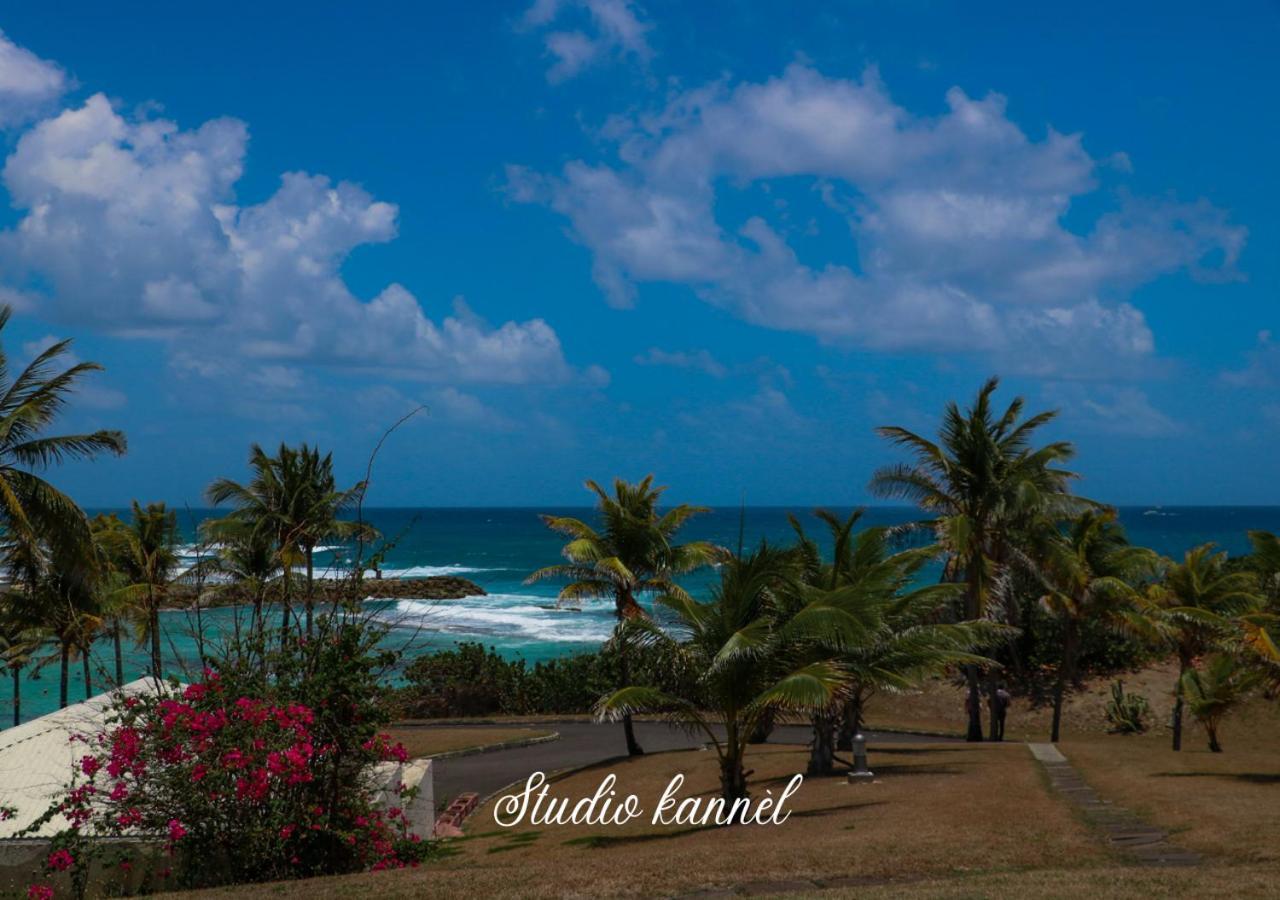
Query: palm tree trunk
{"type": "Point", "coordinates": [17, 695]}
{"type": "Point", "coordinates": [1212, 729]}
{"type": "Point", "coordinates": [822, 751]}
{"type": "Point", "coordinates": [850, 722]}
{"type": "Point", "coordinates": [1066, 671]}
{"type": "Point", "coordinates": [153, 622]}
{"type": "Point", "coordinates": [115, 639]}
{"type": "Point", "coordinates": [310, 601]}
{"type": "Point", "coordinates": [973, 704]}
{"type": "Point", "coordinates": [1183, 664]}
{"type": "Point", "coordinates": [733, 780]}
{"type": "Point", "coordinates": [84, 666]}
{"type": "Point", "coordinates": [763, 728]}
{"type": "Point", "coordinates": [994, 707]}
{"type": "Point", "coordinates": [64, 652]}
{"type": "Point", "coordinates": [626, 605]}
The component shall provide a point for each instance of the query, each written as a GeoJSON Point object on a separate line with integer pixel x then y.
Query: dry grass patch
{"type": "Point", "coordinates": [1226, 805]}
{"type": "Point", "coordinates": [935, 810]}
{"type": "Point", "coordinates": [1120, 883]}
{"type": "Point", "coordinates": [432, 740]}
{"type": "Point", "coordinates": [939, 707]}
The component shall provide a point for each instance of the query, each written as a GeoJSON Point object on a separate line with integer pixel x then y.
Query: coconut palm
{"type": "Point", "coordinates": [1087, 569]}
{"type": "Point", "coordinates": [246, 560]}
{"type": "Point", "coordinates": [901, 639]}
{"type": "Point", "coordinates": [1197, 605]}
{"type": "Point", "coordinates": [20, 638]}
{"type": "Point", "coordinates": [1215, 690]}
{"type": "Point", "coordinates": [33, 511]}
{"type": "Point", "coordinates": [144, 552]}
{"type": "Point", "coordinates": [980, 481]}
{"type": "Point", "coordinates": [740, 643]}
{"type": "Point", "coordinates": [631, 555]}
{"type": "Point", "coordinates": [293, 498]}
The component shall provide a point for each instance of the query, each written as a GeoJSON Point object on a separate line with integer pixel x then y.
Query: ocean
{"type": "Point", "coordinates": [498, 548]}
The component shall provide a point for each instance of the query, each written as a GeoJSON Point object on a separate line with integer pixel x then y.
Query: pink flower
{"type": "Point", "coordinates": [89, 765]}
{"type": "Point", "coordinates": [195, 692]}
{"type": "Point", "coordinates": [176, 831]}
{"type": "Point", "coordinates": [39, 892]}
{"type": "Point", "coordinates": [60, 861]}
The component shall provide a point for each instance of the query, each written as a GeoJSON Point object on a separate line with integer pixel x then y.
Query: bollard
{"type": "Point", "coordinates": [860, 771]}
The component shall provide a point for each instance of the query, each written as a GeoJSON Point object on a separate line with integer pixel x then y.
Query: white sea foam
{"type": "Point", "coordinates": [521, 617]}
{"type": "Point", "coordinates": [428, 571]}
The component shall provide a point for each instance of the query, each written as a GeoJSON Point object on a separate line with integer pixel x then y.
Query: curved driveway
{"type": "Point", "coordinates": [586, 743]}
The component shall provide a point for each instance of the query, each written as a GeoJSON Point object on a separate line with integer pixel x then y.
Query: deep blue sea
{"type": "Point", "coordinates": [498, 548]}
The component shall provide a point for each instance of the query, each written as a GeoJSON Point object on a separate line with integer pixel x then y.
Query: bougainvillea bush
{"type": "Point", "coordinates": [258, 769]}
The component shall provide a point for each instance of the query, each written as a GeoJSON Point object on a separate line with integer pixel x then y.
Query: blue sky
{"type": "Point", "coordinates": [715, 241]}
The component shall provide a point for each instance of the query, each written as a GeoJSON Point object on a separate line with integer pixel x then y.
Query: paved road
{"type": "Point", "coordinates": [584, 743]}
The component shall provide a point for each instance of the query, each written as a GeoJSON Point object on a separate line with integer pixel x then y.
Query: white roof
{"type": "Point", "coordinates": [38, 757]}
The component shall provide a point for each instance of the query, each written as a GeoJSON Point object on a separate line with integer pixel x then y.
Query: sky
{"type": "Point", "coordinates": [719, 242]}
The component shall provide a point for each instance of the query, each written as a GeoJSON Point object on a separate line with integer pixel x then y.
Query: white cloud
{"type": "Point", "coordinates": [29, 85]}
{"type": "Point", "coordinates": [611, 29]}
{"type": "Point", "coordinates": [1124, 411]}
{"type": "Point", "coordinates": [1262, 368]}
{"type": "Point", "coordinates": [698, 360]}
{"type": "Point", "coordinates": [958, 222]}
{"type": "Point", "coordinates": [134, 227]}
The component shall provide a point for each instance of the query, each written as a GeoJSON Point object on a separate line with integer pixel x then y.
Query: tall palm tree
{"type": "Point", "coordinates": [1197, 605]}
{"type": "Point", "coordinates": [979, 481]}
{"type": "Point", "coordinates": [742, 646]}
{"type": "Point", "coordinates": [1087, 569]}
{"type": "Point", "coordinates": [144, 551]}
{"type": "Point", "coordinates": [631, 555]}
{"type": "Point", "coordinates": [293, 497]}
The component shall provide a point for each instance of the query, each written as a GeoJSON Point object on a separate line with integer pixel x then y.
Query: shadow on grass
{"type": "Point", "coordinates": [829, 810]}
{"type": "Point", "coordinates": [1246, 777]}
{"type": "Point", "coordinates": [600, 841]}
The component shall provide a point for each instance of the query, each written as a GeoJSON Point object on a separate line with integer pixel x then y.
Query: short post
{"type": "Point", "coordinates": [860, 771]}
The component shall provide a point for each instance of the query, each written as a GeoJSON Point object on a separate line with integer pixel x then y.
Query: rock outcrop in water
{"type": "Point", "coordinates": [328, 590]}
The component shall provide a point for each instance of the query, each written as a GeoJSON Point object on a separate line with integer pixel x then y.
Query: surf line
{"type": "Point", "coordinates": [604, 807]}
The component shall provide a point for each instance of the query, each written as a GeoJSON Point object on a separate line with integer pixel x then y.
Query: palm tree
{"type": "Point", "coordinates": [293, 498]}
{"type": "Point", "coordinates": [1087, 570]}
{"type": "Point", "coordinates": [144, 552]}
{"type": "Point", "coordinates": [900, 640]}
{"type": "Point", "coordinates": [740, 643]}
{"type": "Point", "coordinates": [20, 638]}
{"type": "Point", "coordinates": [1214, 691]}
{"type": "Point", "coordinates": [33, 511]}
{"type": "Point", "coordinates": [1194, 608]}
{"type": "Point", "coordinates": [631, 555]}
{"type": "Point", "coordinates": [246, 560]}
{"type": "Point", "coordinates": [980, 481]}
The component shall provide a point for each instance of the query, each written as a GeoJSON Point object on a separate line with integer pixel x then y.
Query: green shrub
{"type": "Point", "coordinates": [1127, 713]}
{"type": "Point", "coordinates": [473, 680]}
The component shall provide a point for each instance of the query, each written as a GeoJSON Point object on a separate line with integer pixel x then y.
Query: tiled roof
{"type": "Point", "coordinates": [37, 758]}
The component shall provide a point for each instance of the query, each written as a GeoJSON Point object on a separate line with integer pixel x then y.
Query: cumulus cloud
{"type": "Point", "coordinates": [958, 221]}
{"type": "Point", "coordinates": [698, 360]}
{"type": "Point", "coordinates": [29, 85]}
{"type": "Point", "coordinates": [1262, 368]}
{"type": "Point", "coordinates": [610, 29]}
{"type": "Point", "coordinates": [132, 226]}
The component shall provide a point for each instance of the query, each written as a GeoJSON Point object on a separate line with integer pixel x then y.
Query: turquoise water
{"type": "Point", "coordinates": [498, 548]}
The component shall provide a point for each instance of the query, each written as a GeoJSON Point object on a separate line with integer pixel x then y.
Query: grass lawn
{"type": "Point", "coordinates": [1226, 805]}
{"type": "Point", "coordinates": [935, 810]}
{"type": "Point", "coordinates": [1106, 883]}
{"type": "Point", "coordinates": [434, 739]}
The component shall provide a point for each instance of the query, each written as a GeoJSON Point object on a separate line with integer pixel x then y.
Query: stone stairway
{"type": "Point", "coordinates": [1146, 844]}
